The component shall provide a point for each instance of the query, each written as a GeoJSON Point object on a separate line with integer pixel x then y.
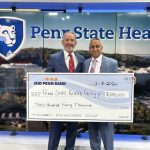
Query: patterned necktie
{"type": "Point", "coordinates": [71, 64]}
{"type": "Point", "coordinates": [93, 67]}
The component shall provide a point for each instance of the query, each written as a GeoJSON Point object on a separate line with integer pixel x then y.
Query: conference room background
{"type": "Point", "coordinates": [125, 37]}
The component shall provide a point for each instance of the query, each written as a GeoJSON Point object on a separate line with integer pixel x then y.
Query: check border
{"type": "Point", "coordinates": [40, 118]}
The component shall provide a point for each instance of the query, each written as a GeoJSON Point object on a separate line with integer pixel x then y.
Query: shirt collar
{"type": "Point", "coordinates": [66, 54]}
{"type": "Point", "coordinates": [99, 59]}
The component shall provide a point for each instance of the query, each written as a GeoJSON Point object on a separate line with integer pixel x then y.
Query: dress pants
{"type": "Point", "coordinates": [98, 131]}
{"type": "Point", "coordinates": [55, 134]}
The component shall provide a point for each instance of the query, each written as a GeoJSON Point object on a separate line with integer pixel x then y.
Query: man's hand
{"type": "Point", "coordinates": [25, 78]}
{"type": "Point", "coordinates": [134, 79]}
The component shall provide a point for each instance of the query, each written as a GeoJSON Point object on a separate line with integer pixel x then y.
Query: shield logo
{"type": "Point", "coordinates": [12, 35]}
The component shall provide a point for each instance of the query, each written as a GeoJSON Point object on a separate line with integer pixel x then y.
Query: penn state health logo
{"type": "Point", "coordinates": [12, 35]}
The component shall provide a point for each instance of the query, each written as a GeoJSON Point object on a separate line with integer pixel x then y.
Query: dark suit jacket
{"type": "Point", "coordinates": [57, 63]}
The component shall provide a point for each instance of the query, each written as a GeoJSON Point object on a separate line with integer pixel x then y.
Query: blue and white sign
{"type": "Point", "coordinates": [12, 35]}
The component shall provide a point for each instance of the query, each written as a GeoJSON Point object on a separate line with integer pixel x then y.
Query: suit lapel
{"type": "Point", "coordinates": [87, 65]}
{"type": "Point", "coordinates": [103, 65]}
{"type": "Point", "coordinates": [62, 61]}
{"type": "Point", "coordinates": [79, 62]}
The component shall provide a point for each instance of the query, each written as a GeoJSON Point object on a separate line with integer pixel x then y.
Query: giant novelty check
{"type": "Point", "coordinates": [80, 97]}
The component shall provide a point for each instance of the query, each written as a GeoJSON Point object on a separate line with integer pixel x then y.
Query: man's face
{"type": "Point", "coordinates": [95, 48]}
{"type": "Point", "coordinates": [69, 42]}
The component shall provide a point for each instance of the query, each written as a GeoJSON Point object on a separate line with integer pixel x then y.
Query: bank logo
{"type": "Point", "coordinates": [12, 35]}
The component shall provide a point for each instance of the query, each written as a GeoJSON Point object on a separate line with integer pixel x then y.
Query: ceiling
{"type": "Point", "coordinates": [81, 5]}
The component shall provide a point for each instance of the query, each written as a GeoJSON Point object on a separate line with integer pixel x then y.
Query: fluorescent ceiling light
{"type": "Point", "coordinates": [28, 10]}
{"type": "Point", "coordinates": [5, 10]}
{"type": "Point", "coordinates": [53, 13]}
{"type": "Point", "coordinates": [19, 10]}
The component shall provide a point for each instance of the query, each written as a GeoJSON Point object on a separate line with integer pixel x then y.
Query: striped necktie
{"type": "Point", "coordinates": [93, 67]}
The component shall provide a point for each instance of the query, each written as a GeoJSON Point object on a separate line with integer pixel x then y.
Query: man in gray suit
{"type": "Point", "coordinates": [99, 63]}
{"type": "Point", "coordinates": [64, 61]}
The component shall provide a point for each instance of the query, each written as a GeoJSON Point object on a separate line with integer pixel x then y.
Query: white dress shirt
{"type": "Point", "coordinates": [67, 57]}
{"type": "Point", "coordinates": [98, 64]}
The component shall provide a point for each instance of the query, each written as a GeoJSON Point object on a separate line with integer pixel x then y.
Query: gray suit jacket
{"type": "Point", "coordinates": [106, 129]}
{"type": "Point", "coordinates": [108, 65]}
{"type": "Point", "coordinates": [57, 63]}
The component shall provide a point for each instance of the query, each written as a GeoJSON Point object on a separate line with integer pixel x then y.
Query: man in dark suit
{"type": "Point", "coordinates": [99, 63]}
{"type": "Point", "coordinates": [64, 61]}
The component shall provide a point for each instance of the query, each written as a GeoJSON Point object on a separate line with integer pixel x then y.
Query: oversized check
{"type": "Point", "coordinates": [80, 97]}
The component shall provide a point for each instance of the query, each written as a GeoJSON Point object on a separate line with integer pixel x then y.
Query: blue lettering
{"type": "Point", "coordinates": [93, 34]}
{"type": "Point", "coordinates": [86, 32]}
{"type": "Point", "coordinates": [45, 33]}
{"type": "Point", "coordinates": [136, 34]}
{"type": "Point", "coordinates": [53, 34]}
{"type": "Point", "coordinates": [109, 34]}
{"type": "Point", "coordinates": [101, 31]}
{"type": "Point", "coordinates": [77, 31]}
{"type": "Point", "coordinates": [146, 34]}
{"type": "Point", "coordinates": [35, 30]}
{"type": "Point", "coordinates": [127, 33]}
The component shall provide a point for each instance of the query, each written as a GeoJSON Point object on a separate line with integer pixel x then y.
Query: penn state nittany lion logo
{"type": "Point", "coordinates": [8, 35]}
{"type": "Point", "coordinates": [12, 34]}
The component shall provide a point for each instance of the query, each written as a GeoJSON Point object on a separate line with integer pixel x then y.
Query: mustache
{"type": "Point", "coordinates": [69, 45]}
